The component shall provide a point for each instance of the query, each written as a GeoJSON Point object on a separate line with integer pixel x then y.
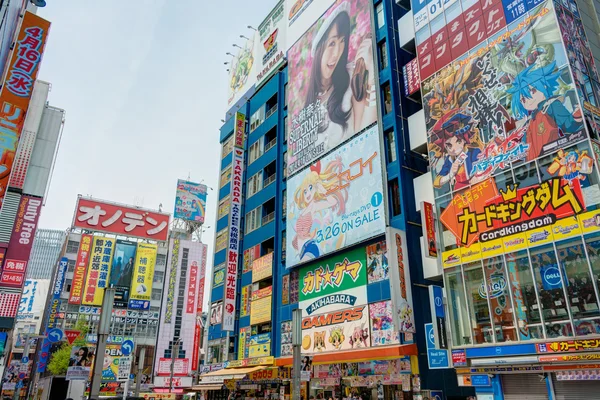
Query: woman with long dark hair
{"type": "Point", "coordinates": [343, 89]}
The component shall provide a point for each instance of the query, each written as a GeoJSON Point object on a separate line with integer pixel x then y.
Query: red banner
{"type": "Point", "coordinates": [121, 220]}
{"type": "Point", "coordinates": [192, 289]}
{"type": "Point", "coordinates": [83, 258]}
{"type": "Point", "coordinates": [429, 226]}
{"type": "Point", "coordinates": [412, 78]}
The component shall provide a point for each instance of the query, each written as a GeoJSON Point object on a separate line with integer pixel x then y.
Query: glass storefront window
{"type": "Point", "coordinates": [459, 320]}
{"type": "Point", "coordinates": [527, 175]}
{"type": "Point", "coordinates": [499, 299]}
{"type": "Point", "coordinates": [525, 300]}
{"type": "Point", "coordinates": [478, 303]}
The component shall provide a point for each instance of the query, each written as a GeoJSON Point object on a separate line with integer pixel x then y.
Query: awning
{"type": "Point", "coordinates": [234, 371]}
{"type": "Point", "coordinates": [207, 387]}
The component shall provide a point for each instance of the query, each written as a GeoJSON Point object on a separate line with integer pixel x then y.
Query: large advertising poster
{"type": "Point", "coordinates": [79, 273]}
{"type": "Point", "coordinates": [333, 283]}
{"type": "Point", "coordinates": [143, 274]}
{"type": "Point", "coordinates": [190, 201]}
{"type": "Point", "coordinates": [301, 15]}
{"type": "Point", "coordinates": [81, 362]}
{"type": "Point", "coordinates": [16, 92]}
{"type": "Point", "coordinates": [242, 71]}
{"type": "Point", "coordinates": [337, 202]}
{"type": "Point", "coordinates": [270, 52]}
{"type": "Point", "coordinates": [331, 92]}
{"type": "Point", "coordinates": [21, 242]}
{"type": "Point", "coordinates": [122, 270]}
{"type": "Point", "coordinates": [98, 270]}
{"type": "Point", "coordinates": [509, 103]}
{"type": "Point", "coordinates": [345, 329]}
{"type": "Point", "coordinates": [33, 300]}
{"type": "Point", "coordinates": [171, 276]}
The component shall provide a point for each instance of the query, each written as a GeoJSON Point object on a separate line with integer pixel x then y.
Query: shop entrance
{"type": "Point", "coordinates": [524, 386]}
{"type": "Point", "coordinates": [570, 386]}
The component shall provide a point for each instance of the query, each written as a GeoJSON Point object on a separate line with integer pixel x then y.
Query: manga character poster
{"type": "Point", "coordinates": [382, 324]}
{"type": "Point", "coordinates": [508, 102]}
{"type": "Point", "coordinates": [336, 202]}
{"type": "Point", "coordinates": [332, 94]}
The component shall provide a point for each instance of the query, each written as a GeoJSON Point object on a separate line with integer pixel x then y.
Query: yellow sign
{"type": "Point", "coordinates": [259, 350]}
{"type": "Point", "coordinates": [245, 302]}
{"type": "Point", "coordinates": [514, 243]}
{"type": "Point", "coordinates": [244, 334]}
{"type": "Point", "coordinates": [589, 222]}
{"type": "Point", "coordinates": [143, 272]}
{"type": "Point", "coordinates": [98, 270]}
{"type": "Point", "coordinates": [539, 237]}
{"type": "Point", "coordinates": [222, 239]}
{"type": "Point", "coordinates": [262, 268]}
{"type": "Point", "coordinates": [264, 374]}
{"type": "Point", "coordinates": [451, 258]}
{"type": "Point", "coordinates": [566, 228]}
{"type": "Point", "coordinates": [261, 311]}
{"type": "Point", "coordinates": [471, 253]}
{"type": "Point", "coordinates": [224, 207]}
{"type": "Point", "coordinates": [493, 248]}
{"type": "Point", "coordinates": [250, 362]}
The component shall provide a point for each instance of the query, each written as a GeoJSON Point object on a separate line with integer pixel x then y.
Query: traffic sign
{"type": "Point", "coordinates": [71, 335]}
{"type": "Point", "coordinates": [127, 347]}
{"type": "Point", "coordinates": [55, 335]}
{"type": "Point", "coordinates": [21, 375]}
{"type": "Point", "coordinates": [25, 359]}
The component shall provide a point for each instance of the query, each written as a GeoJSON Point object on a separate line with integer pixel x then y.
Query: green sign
{"type": "Point", "coordinates": [334, 274]}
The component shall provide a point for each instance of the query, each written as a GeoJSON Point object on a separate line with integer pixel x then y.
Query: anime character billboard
{"type": "Point", "coordinates": [336, 202]}
{"type": "Point", "coordinates": [332, 93]}
{"type": "Point", "coordinates": [509, 102]}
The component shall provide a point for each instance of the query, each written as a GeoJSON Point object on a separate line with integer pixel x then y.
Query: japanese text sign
{"type": "Point", "coordinates": [190, 303]}
{"type": "Point", "coordinates": [79, 273]}
{"type": "Point", "coordinates": [270, 52]}
{"type": "Point", "coordinates": [240, 130]}
{"type": "Point", "coordinates": [143, 274]}
{"type": "Point", "coordinates": [233, 246]}
{"type": "Point", "coordinates": [429, 228]}
{"type": "Point", "coordinates": [261, 310]}
{"type": "Point", "coordinates": [172, 263]}
{"type": "Point", "coordinates": [121, 220]}
{"type": "Point", "coordinates": [412, 80]}
{"type": "Point", "coordinates": [569, 346]}
{"type": "Point", "coordinates": [17, 89]}
{"type": "Point", "coordinates": [98, 270]}
{"type": "Point", "coordinates": [190, 201]}
{"type": "Point", "coordinates": [262, 268]}
{"type": "Point", "coordinates": [21, 242]}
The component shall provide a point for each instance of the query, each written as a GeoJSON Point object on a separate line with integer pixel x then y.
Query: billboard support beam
{"type": "Point", "coordinates": [103, 331]}
{"type": "Point", "coordinates": [296, 343]}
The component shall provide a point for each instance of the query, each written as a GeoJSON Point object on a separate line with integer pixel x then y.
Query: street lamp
{"type": "Point", "coordinates": [174, 352]}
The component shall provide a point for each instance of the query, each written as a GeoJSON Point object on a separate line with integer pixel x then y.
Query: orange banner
{"type": "Point", "coordinates": [17, 89]}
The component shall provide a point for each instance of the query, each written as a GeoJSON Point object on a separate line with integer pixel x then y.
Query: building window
{"type": "Point", "coordinates": [271, 106]}
{"type": "Point", "coordinates": [270, 139]}
{"type": "Point", "coordinates": [254, 184]}
{"type": "Point", "coordinates": [387, 98]}
{"type": "Point", "coordinates": [223, 207]}
{"type": "Point", "coordinates": [156, 294]}
{"type": "Point", "coordinates": [253, 219]}
{"type": "Point", "coordinates": [257, 118]}
{"type": "Point", "coordinates": [71, 266]}
{"type": "Point", "coordinates": [284, 205]}
{"type": "Point", "coordinates": [380, 15]}
{"type": "Point", "coordinates": [395, 197]}
{"type": "Point", "coordinates": [270, 173]}
{"type": "Point", "coordinates": [268, 214]}
{"type": "Point", "coordinates": [159, 276]}
{"type": "Point", "coordinates": [227, 147]}
{"type": "Point", "coordinates": [225, 176]}
{"type": "Point", "coordinates": [285, 158]}
{"type": "Point", "coordinates": [161, 259]}
{"type": "Point", "coordinates": [285, 95]}
{"type": "Point", "coordinates": [255, 151]}
{"type": "Point", "coordinates": [72, 246]}
{"type": "Point", "coordinates": [383, 55]}
{"type": "Point", "coordinates": [390, 142]}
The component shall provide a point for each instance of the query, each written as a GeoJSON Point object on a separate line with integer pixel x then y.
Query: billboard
{"type": "Point", "coordinates": [383, 332]}
{"type": "Point", "coordinates": [262, 268]}
{"type": "Point", "coordinates": [21, 242]}
{"type": "Point", "coordinates": [216, 313]}
{"type": "Point", "coordinates": [301, 15]}
{"type": "Point", "coordinates": [243, 69]}
{"type": "Point", "coordinates": [81, 362]}
{"type": "Point", "coordinates": [122, 271]}
{"type": "Point", "coordinates": [337, 202]}
{"type": "Point", "coordinates": [116, 365]}
{"type": "Point", "coordinates": [233, 245]}
{"type": "Point", "coordinates": [143, 275]}
{"type": "Point", "coordinates": [16, 92]}
{"type": "Point", "coordinates": [333, 283]}
{"type": "Point", "coordinates": [98, 270]}
{"type": "Point", "coordinates": [101, 216]}
{"type": "Point", "coordinates": [33, 300]}
{"type": "Point", "coordinates": [190, 201]}
{"type": "Point", "coordinates": [245, 301]}
{"type": "Point", "coordinates": [400, 284]}
{"type": "Point", "coordinates": [331, 92]}
{"type": "Point", "coordinates": [260, 310]}
{"type": "Point", "coordinates": [172, 262]}
{"type": "Point", "coordinates": [484, 114]}
{"type": "Point", "coordinates": [345, 329]}
{"type": "Point", "coordinates": [79, 273]}
{"type": "Point", "coordinates": [270, 51]}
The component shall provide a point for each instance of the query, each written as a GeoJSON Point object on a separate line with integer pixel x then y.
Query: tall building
{"type": "Point", "coordinates": [510, 129]}
{"type": "Point", "coordinates": [319, 209]}
{"type": "Point", "coordinates": [45, 252]}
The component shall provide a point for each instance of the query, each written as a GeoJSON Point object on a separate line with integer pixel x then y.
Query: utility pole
{"type": "Point", "coordinates": [296, 343]}
{"type": "Point", "coordinates": [174, 354]}
{"type": "Point", "coordinates": [140, 369]}
{"type": "Point", "coordinates": [28, 338]}
{"type": "Point", "coordinates": [103, 332]}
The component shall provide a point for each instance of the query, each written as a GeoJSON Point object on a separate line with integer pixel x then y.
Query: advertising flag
{"type": "Point", "coordinates": [141, 284]}
{"type": "Point", "coordinates": [79, 273]}
{"type": "Point", "coordinates": [337, 202]}
{"type": "Point", "coordinates": [122, 271]}
{"type": "Point", "coordinates": [321, 117]}
{"type": "Point", "coordinates": [190, 201]}
{"type": "Point", "coordinates": [98, 270]}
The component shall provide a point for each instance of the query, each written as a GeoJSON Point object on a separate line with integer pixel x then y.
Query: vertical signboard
{"type": "Point", "coordinates": [53, 308]}
{"type": "Point", "coordinates": [438, 315]}
{"type": "Point", "coordinates": [270, 52]}
{"type": "Point", "coordinates": [400, 284]}
{"type": "Point", "coordinates": [172, 263]}
{"type": "Point", "coordinates": [122, 271]}
{"type": "Point", "coordinates": [21, 242]}
{"type": "Point", "coordinates": [429, 228]}
{"type": "Point", "coordinates": [190, 201]}
{"type": "Point", "coordinates": [79, 273]}
{"type": "Point", "coordinates": [235, 214]}
{"type": "Point", "coordinates": [98, 270]}
{"type": "Point", "coordinates": [199, 308]}
{"type": "Point", "coordinates": [436, 358]}
{"type": "Point", "coordinates": [322, 117]}
{"type": "Point", "coordinates": [412, 80]}
{"type": "Point", "coordinates": [192, 288]}
{"type": "Point", "coordinates": [143, 274]}
{"type": "Point", "coordinates": [17, 89]}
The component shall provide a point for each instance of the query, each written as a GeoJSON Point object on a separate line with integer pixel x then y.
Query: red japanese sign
{"type": "Point", "coordinates": [83, 258]}
{"type": "Point", "coordinates": [429, 227]}
{"type": "Point", "coordinates": [71, 335]}
{"type": "Point", "coordinates": [190, 306]}
{"type": "Point", "coordinates": [567, 346]}
{"type": "Point", "coordinates": [21, 242]}
{"type": "Point", "coordinates": [481, 213]}
{"type": "Point", "coordinates": [412, 80]}
{"type": "Point", "coordinates": [121, 220]}
{"type": "Point", "coordinates": [16, 95]}
{"type": "Point", "coordinates": [199, 305]}
{"type": "Point", "coordinates": [240, 130]}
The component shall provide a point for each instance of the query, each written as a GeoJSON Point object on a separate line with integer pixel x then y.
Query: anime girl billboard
{"type": "Point", "coordinates": [336, 202]}
{"type": "Point", "coordinates": [510, 101]}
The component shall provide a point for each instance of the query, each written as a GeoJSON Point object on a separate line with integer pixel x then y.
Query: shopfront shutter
{"type": "Point", "coordinates": [524, 387]}
{"type": "Point", "coordinates": [576, 390]}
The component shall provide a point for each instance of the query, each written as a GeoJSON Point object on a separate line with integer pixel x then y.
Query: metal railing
{"type": "Point", "coordinates": [268, 218]}
{"type": "Point", "coordinates": [269, 180]}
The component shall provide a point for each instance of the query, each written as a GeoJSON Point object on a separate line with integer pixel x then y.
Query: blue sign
{"type": "Point", "coordinates": [551, 277]}
{"type": "Point", "coordinates": [139, 304]}
{"type": "Point", "coordinates": [436, 395]}
{"type": "Point", "coordinates": [127, 347]}
{"type": "Point", "coordinates": [436, 358]}
{"type": "Point", "coordinates": [438, 302]}
{"type": "Point", "coordinates": [482, 380]}
{"type": "Point", "coordinates": [429, 336]}
{"type": "Point", "coordinates": [24, 360]}
{"type": "Point", "coordinates": [498, 351]}
{"type": "Point", "coordinates": [55, 335]}
{"type": "Point", "coordinates": [20, 383]}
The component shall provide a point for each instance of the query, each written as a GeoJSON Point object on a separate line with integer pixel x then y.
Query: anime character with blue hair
{"type": "Point", "coordinates": [535, 105]}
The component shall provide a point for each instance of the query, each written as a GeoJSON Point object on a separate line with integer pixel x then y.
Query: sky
{"type": "Point", "coordinates": [144, 87]}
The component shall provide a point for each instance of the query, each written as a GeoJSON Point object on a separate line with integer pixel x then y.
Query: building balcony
{"type": "Point", "coordinates": [268, 218]}
{"type": "Point", "coordinates": [270, 145]}
{"type": "Point", "coordinates": [417, 132]}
